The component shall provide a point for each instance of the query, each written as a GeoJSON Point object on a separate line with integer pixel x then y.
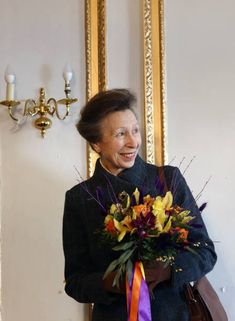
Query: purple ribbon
{"type": "Point", "coordinates": [144, 309]}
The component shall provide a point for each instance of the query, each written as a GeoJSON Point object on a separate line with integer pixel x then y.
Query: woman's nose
{"type": "Point", "coordinates": [132, 141]}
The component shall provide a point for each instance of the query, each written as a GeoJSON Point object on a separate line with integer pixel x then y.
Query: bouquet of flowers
{"type": "Point", "coordinates": [144, 228]}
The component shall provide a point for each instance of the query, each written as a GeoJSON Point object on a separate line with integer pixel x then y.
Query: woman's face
{"type": "Point", "coordinates": [120, 141]}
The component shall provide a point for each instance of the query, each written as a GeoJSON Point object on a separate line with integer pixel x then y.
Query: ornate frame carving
{"type": "Point", "coordinates": [154, 77]}
{"type": "Point", "coordinates": [95, 38]}
{"type": "Point", "coordinates": [95, 44]}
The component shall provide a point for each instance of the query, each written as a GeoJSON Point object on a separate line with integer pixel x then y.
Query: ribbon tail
{"type": "Point", "coordinates": [135, 293]}
{"type": "Point", "coordinates": [144, 312]}
{"type": "Point", "coordinates": [137, 296]}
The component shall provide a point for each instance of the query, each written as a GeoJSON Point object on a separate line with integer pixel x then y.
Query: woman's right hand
{"type": "Point", "coordinates": [156, 272]}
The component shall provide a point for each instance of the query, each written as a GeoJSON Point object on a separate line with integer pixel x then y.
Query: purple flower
{"type": "Point", "coordinates": [144, 224]}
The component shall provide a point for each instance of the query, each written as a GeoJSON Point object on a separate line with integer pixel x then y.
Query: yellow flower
{"type": "Point", "coordinates": [122, 229]}
{"type": "Point", "coordinates": [183, 214]}
{"type": "Point", "coordinates": [108, 218]}
{"type": "Point", "coordinates": [136, 194]}
{"type": "Point", "coordinates": [160, 205]}
{"type": "Point", "coordinates": [187, 219]}
{"type": "Point", "coordinates": [127, 222]}
{"type": "Point", "coordinates": [158, 226]}
{"type": "Point", "coordinates": [113, 209]}
{"type": "Point", "coordinates": [168, 200]}
{"type": "Point", "coordinates": [168, 225]}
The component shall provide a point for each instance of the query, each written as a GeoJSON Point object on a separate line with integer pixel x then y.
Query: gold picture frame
{"type": "Point", "coordinates": [154, 74]}
{"type": "Point", "coordinates": [154, 80]}
{"type": "Point", "coordinates": [95, 44]}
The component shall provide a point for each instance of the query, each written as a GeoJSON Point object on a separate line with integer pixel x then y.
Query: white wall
{"type": "Point", "coordinates": [37, 38]}
{"type": "Point", "coordinates": [200, 68]}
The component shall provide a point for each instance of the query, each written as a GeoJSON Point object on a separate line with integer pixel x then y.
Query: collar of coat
{"type": "Point", "coordinates": [105, 186]}
{"type": "Point", "coordinates": [134, 175]}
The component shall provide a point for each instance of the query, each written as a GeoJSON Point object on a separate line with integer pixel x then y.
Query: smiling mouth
{"type": "Point", "coordinates": [128, 155]}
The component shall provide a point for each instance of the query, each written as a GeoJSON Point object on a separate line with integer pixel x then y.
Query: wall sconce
{"type": "Point", "coordinates": [43, 107]}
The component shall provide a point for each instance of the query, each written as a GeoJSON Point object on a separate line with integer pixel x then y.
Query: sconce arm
{"type": "Point", "coordinates": [51, 103]}
{"type": "Point", "coordinates": [10, 104]}
{"type": "Point", "coordinates": [67, 102]}
{"type": "Point", "coordinates": [11, 115]}
{"type": "Point", "coordinates": [30, 107]}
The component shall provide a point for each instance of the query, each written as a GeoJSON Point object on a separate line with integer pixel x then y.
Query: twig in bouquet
{"type": "Point", "coordinates": [174, 178]}
{"type": "Point", "coordinates": [171, 161]}
{"type": "Point", "coordinates": [203, 188]}
{"type": "Point", "coordinates": [187, 167]}
{"type": "Point", "coordinates": [111, 190]}
{"type": "Point", "coordinates": [99, 195]}
{"type": "Point", "coordinates": [181, 162]}
{"type": "Point", "coordinates": [81, 179]}
{"type": "Point", "coordinates": [84, 186]}
{"type": "Point", "coordinates": [175, 183]}
{"type": "Point", "coordinates": [198, 196]}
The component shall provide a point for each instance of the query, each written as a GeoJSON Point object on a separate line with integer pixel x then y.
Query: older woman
{"type": "Point", "coordinates": [109, 124]}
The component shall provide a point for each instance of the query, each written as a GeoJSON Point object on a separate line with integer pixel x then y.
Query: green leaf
{"type": "Point", "coordinates": [123, 247]}
{"type": "Point", "coordinates": [129, 268]}
{"type": "Point", "coordinates": [125, 256]}
{"type": "Point", "coordinates": [112, 266]}
{"type": "Point", "coordinates": [117, 277]}
{"type": "Point", "coordinates": [121, 261]}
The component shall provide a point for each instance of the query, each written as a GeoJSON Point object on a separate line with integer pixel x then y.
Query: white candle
{"type": "Point", "coordinates": [67, 74]}
{"type": "Point", "coordinates": [10, 90]}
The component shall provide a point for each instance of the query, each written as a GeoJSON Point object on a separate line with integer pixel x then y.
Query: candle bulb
{"type": "Point", "coordinates": [67, 74]}
{"type": "Point", "coordinates": [10, 79]}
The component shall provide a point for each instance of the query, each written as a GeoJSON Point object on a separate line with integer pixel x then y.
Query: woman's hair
{"type": "Point", "coordinates": [98, 107]}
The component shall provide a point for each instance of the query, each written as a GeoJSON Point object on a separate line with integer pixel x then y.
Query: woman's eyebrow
{"type": "Point", "coordinates": [119, 128]}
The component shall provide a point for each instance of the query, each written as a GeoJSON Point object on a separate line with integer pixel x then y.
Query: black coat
{"type": "Point", "coordinates": [86, 259]}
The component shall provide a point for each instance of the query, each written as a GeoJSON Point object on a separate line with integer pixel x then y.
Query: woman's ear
{"type": "Point", "coordinates": [96, 147]}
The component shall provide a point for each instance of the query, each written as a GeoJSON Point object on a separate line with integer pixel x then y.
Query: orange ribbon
{"type": "Point", "coordinates": [135, 292]}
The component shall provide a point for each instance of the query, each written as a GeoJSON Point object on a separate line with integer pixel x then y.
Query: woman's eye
{"type": "Point", "coordinates": [120, 134]}
{"type": "Point", "coordinates": [136, 130]}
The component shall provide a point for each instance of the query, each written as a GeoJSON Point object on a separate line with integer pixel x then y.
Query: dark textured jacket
{"type": "Point", "coordinates": [86, 259]}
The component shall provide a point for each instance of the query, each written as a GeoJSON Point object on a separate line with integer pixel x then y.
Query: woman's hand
{"type": "Point", "coordinates": [156, 272]}
{"type": "Point", "coordinates": [108, 284]}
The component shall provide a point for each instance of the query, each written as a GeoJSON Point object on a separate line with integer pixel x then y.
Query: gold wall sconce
{"type": "Point", "coordinates": [43, 108]}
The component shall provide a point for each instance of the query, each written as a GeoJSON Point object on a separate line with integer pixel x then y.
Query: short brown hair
{"type": "Point", "coordinates": [98, 107]}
